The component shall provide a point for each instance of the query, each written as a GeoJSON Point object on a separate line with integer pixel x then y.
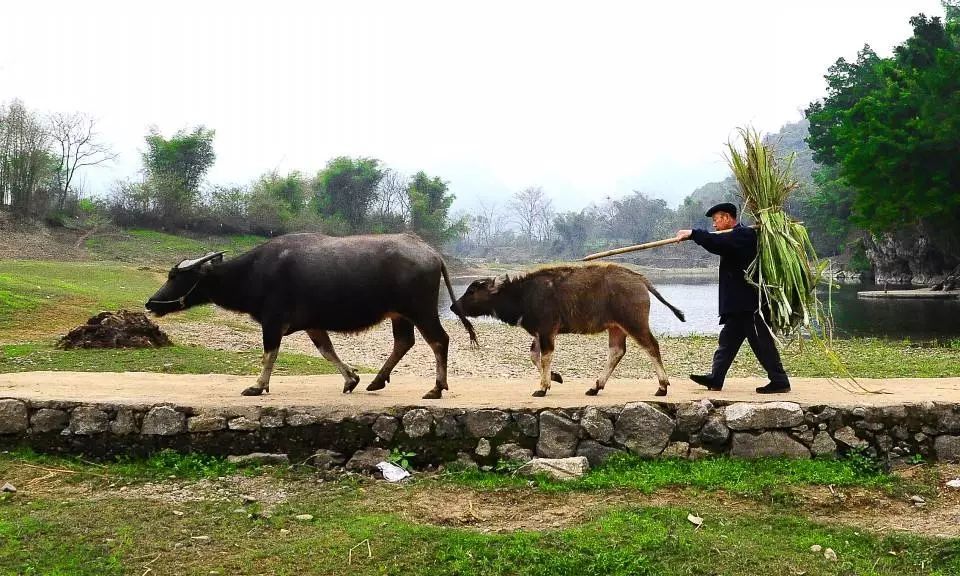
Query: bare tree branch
{"type": "Point", "coordinates": [76, 134]}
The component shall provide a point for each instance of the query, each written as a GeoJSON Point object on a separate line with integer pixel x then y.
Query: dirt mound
{"type": "Point", "coordinates": [25, 239]}
{"type": "Point", "coordinates": [123, 329]}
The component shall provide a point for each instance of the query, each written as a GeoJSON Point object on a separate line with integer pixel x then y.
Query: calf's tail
{"type": "Point", "coordinates": [674, 309]}
{"type": "Point", "coordinates": [456, 309]}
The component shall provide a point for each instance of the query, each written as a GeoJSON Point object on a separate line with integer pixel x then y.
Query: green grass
{"type": "Point", "coordinates": [748, 478]}
{"type": "Point", "coordinates": [877, 358]}
{"type": "Point", "coordinates": [163, 465]}
{"type": "Point", "coordinates": [863, 357]}
{"type": "Point", "coordinates": [121, 535]}
{"type": "Point", "coordinates": [641, 541]}
{"type": "Point", "coordinates": [164, 250]}
{"type": "Point", "coordinates": [43, 298]}
{"type": "Point", "coordinates": [46, 530]}
{"type": "Point", "coordinates": [30, 546]}
{"type": "Point", "coordinates": [169, 359]}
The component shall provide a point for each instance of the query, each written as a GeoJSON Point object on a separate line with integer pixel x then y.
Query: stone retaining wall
{"type": "Point", "coordinates": [690, 430]}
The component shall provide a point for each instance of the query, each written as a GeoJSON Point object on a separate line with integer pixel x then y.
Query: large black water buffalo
{"type": "Point", "coordinates": [320, 283]}
{"type": "Point", "coordinates": [572, 300]}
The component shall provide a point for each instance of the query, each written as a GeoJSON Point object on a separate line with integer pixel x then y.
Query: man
{"type": "Point", "coordinates": [739, 301]}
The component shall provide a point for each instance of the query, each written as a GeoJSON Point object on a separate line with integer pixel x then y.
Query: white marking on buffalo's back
{"type": "Point", "coordinates": [285, 252]}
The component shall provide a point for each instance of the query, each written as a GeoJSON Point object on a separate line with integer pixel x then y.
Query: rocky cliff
{"type": "Point", "coordinates": [910, 256]}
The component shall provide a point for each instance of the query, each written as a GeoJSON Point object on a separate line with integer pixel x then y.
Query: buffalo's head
{"type": "Point", "coordinates": [478, 299]}
{"type": "Point", "coordinates": [180, 291]}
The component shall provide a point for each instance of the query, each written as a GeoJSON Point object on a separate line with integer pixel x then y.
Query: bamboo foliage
{"type": "Point", "coordinates": [786, 270]}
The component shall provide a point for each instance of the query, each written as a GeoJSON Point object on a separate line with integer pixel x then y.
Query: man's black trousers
{"type": "Point", "coordinates": [747, 325]}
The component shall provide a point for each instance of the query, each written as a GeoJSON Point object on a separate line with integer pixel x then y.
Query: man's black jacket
{"type": "Point", "coordinates": [736, 249]}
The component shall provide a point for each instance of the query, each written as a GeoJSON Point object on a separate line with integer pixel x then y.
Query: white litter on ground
{"type": "Point", "coordinates": [392, 472]}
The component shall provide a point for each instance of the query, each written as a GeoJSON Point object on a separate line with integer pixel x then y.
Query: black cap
{"type": "Point", "coordinates": [727, 207]}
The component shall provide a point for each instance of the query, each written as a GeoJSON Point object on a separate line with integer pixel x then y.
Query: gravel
{"type": "Point", "coordinates": [503, 350]}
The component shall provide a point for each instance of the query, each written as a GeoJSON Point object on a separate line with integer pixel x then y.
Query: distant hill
{"type": "Point", "coordinates": [790, 139]}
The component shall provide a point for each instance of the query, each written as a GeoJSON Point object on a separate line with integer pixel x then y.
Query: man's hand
{"type": "Point", "coordinates": [684, 234]}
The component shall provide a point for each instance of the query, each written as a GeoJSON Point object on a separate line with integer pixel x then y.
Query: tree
{"type": "Point", "coordinates": [892, 127]}
{"type": "Point", "coordinates": [346, 188]}
{"type": "Point", "coordinates": [26, 166]}
{"type": "Point", "coordinates": [638, 218]}
{"type": "Point", "coordinates": [391, 204]}
{"type": "Point", "coordinates": [487, 225]}
{"type": "Point", "coordinates": [76, 139]}
{"type": "Point", "coordinates": [176, 167]}
{"type": "Point", "coordinates": [533, 211]}
{"type": "Point", "coordinates": [429, 210]}
{"type": "Point", "coordinates": [574, 230]}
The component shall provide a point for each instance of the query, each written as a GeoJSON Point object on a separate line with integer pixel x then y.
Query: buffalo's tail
{"type": "Point", "coordinates": [456, 309]}
{"type": "Point", "coordinates": [674, 309]}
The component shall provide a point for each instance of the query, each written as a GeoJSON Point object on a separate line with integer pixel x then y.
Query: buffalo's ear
{"type": "Point", "coordinates": [498, 282]}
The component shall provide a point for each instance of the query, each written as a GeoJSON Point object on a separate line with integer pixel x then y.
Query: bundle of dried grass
{"type": "Point", "coordinates": [786, 270]}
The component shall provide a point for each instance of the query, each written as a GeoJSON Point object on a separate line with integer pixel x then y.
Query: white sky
{"type": "Point", "coordinates": [587, 99]}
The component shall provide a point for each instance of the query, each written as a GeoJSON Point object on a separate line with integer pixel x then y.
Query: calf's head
{"type": "Point", "coordinates": [181, 289]}
{"type": "Point", "coordinates": [478, 300]}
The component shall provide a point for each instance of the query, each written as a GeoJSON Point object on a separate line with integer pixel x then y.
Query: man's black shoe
{"type": "Point", "coordinates": [706, 380]}
{"type": "Point", "coordinates": [774, 388]}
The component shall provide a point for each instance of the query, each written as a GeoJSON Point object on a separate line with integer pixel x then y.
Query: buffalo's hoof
{"type": "Point", "coordinates": [661, 392]}
{"type": "Point", "coordinates": [252, 391]}
{"type": "Point", "coordinates": [433, 394]}
{"type": "Point", "coordinates": [539, 394]}
{"type": "Point", "coordinates": [593, 391]}
{"type": "Point", "coordinates": [376, 385]}
{"type": "Point", "coordinates": [556, 377]}
{"type": "Point", "coordinates": [349, 385]}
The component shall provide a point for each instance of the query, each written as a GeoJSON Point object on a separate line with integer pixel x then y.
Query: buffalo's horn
{"type": "Point", "coordinates": [191, 264]}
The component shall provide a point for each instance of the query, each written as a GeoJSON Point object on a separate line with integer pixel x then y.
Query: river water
{"type": "Point", "coordinates": [883, 318]}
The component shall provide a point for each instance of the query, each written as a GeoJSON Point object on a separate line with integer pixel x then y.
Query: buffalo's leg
{"type": "Point", "coordinates": [403, 339]}
{"type": "Point", "coordinates": [535, 358]}
{"type": "Point", "coordinates": [271, 346]}
{"type": "Point", "coordinates": [432, 331]}
{"type": "Point", "coordinates": [641, 333]}
{"type": "Point", "coordinates": [321, 339]}
{"type": "Point", "coordinates": [546, 357]}
{"type": "Point", "coordinates": [618, 347]}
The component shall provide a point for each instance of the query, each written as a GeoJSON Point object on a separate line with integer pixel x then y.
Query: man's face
{"type": "Point", "coordinates": [723, 221]}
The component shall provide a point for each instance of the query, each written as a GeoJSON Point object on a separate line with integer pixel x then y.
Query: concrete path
{"type": "Point", "coordinates": [213, 390]}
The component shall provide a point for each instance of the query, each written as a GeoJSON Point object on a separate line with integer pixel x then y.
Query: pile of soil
{"type": "Point", "coordinates": [122, 329]}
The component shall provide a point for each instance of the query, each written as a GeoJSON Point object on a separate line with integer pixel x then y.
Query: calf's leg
{"type": "Point", "coordinates": [321, 339]}
{"type": "Point", "coordinates": [535, 358]}
{"type": "Point", "coordinates": [618, 347]}
{"type": "Point", "coordinates": [546, 342]}
{"type": "Point", "coordinates": [640, 332]}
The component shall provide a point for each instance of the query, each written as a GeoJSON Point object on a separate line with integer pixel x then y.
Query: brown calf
{"type": "Point", "coordinates": [572, 300]}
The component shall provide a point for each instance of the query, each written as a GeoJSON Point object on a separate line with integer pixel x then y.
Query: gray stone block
{"type": "Point", "coordinates": [757, 416]}
{"type": "Point", "coordinates": [595, 452]}
{"type": "Point", "coordinates": [164, 421]}
{"type": "Point", "coordinates": [87, 420]}
{"type": "Point", "coordinates": [767, 445]}
{"type": "Point", "coordinates": [558, 436]}
{"type": "Point", "coordinates": [418, 422]}
{"type": "Point", "coordinates": [643, 429]}
{"type": "Point", "coordinates": [46, 420]}
{"type": "Point", "coordinates": [596, 425]}
{"type": "Point", "coordinates": [485, 423]}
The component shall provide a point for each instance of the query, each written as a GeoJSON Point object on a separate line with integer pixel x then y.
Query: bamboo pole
{"type": "Point", "coordinates": [633, 248]}
{"type": "Point", "coordinates": [647, 245]}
